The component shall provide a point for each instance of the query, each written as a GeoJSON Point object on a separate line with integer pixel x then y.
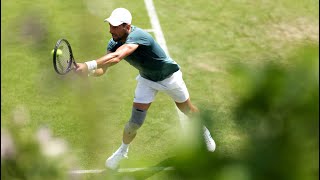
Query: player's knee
{"type": "Point", "coordinates": [137, 118]}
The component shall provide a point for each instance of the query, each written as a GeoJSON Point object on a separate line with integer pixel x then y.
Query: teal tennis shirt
{"type": "Point", "coordinates": [149, 58]}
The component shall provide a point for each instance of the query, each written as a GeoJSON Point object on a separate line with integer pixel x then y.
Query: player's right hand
{"type": "Point", "coordinates": [82, 69]}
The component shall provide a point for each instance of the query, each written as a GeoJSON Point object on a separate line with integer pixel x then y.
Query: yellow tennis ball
{"type": "Point", "coordinates": [59, 52]}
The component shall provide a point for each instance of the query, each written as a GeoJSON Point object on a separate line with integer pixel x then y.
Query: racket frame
{"type": "Point", "coordinates": [71, 59]}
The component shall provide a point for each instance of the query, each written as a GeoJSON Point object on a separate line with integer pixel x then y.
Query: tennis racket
{"type": "Point", "coordinates": [63, 60]}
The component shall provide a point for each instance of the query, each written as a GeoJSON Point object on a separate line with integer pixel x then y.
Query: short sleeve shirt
{"type": "Point", "coordinates": [149, 58]}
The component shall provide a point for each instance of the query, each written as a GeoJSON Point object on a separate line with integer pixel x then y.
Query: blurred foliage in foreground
{"type": "Point", "coordinates": [277, 110]}
{"type": "Point", "coordinates": [34, 155]}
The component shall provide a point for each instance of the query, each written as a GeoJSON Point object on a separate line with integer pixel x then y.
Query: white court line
{"type": "Point", "coordinates": [92, 171]}
{"type": "Point", "coordinates": [156, 24]}
{"type": "Point", "coordinates": [162, 42]}
{"type": "Point", "coordinates": [146, 169]}
{"type": "Point", "coordinates": [122, 170]}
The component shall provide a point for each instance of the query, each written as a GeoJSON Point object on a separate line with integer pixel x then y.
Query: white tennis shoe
{"type": "Point", "coordinates": [211, 145]}
{"type": "Point", "coordinates": [113, 161]}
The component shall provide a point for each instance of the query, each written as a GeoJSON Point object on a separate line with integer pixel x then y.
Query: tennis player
{"type": "Point", "coordinates": [157, 72]}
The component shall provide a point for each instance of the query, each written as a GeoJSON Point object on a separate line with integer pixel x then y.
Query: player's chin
{"type": "Point", "coordinates": [115, 38]}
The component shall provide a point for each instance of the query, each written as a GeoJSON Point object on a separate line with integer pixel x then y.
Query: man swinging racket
{"type": "Point", "coordinates": [157, 72]}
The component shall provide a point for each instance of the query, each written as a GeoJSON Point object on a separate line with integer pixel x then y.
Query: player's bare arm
{"type": "Point", "coordinates": [101, 71]}
{"type": "Point", "coordinates": [109, 60]}
{"type": "Point", "coordinates": [115, 57]}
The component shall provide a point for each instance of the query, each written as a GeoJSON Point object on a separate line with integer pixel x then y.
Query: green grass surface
{"type": "Point", "coordinates": [206, 38]}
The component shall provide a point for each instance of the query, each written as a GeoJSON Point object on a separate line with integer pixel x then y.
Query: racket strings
{"type": "Point", "coordinates": [63, 57]}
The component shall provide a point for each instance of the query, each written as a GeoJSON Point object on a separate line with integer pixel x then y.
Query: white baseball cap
{"type": "Point", "coordinates": [119, 16]}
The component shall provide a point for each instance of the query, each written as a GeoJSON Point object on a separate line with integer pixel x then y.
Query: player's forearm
{"type": "Point", "coordinates": [112, 58]}
{"type": "Point", "coordinates": [108, 60]}
{"type": "Point", "coordinates": [99, 66]}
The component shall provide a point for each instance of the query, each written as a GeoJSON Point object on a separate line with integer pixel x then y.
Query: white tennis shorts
{"type": "Point", "coordinates": [174, 86]}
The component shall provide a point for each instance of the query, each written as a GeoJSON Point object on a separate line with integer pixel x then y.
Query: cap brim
{"type": "Point", "coordinates": [113, 22]}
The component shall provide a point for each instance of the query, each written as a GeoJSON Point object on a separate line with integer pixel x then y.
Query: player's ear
{"type": "Point", "coordinates": [127, 26]}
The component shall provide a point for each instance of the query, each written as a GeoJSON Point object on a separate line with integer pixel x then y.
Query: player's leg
{"type": "Point", "coordinates": [144, 95]}
{"type": "Point", "coordinates": [138, 115]}
{"type": "Point", "coordinates": [188, 108]}
{"type": "Point", "coordinates": [180, 95]}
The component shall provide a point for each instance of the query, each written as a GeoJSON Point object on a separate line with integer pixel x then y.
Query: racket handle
{"type": "Point", "coordinates": [75, 64]}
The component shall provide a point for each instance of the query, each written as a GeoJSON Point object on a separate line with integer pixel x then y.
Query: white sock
{"type": "Point", "coordinates": [124, 147]}
{"type": "Point", "coordinates": [206, 131]}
